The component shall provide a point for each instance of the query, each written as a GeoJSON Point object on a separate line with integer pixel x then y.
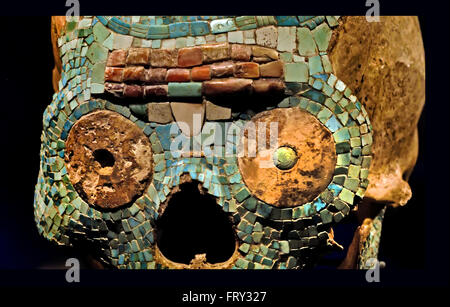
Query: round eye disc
{"type": "Point", "coordinates": [299, 168]}
{"type": "Point", "coordinates": [108, 158]}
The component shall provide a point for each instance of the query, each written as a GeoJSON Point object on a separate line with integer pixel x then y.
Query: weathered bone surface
{"type": "Point", "coordinates": [385, 65]}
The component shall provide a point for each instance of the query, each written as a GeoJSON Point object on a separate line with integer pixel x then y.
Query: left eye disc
{"type": "Point", "coordinates": [109, 159]}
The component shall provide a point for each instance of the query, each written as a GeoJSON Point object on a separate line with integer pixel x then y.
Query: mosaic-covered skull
{"type": "Point", "coordinates": [158, 149]}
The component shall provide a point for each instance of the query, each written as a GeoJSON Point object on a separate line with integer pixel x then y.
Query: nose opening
{"type": "Point", "coordinates": [193, 224]}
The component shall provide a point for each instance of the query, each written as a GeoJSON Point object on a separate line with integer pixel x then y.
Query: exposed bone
{"type": "Point", "coordinates": [384, 63]}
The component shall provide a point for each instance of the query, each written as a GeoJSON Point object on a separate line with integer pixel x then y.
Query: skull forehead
{"type": "Point", "coordinates": [384, 63]}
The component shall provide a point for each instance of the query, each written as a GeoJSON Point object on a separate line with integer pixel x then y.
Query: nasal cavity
{"type": "Point", "coordinates": [193, 224]}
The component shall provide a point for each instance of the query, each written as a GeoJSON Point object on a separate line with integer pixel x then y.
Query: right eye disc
{"type": "Point", "coordinates": [303, 163]}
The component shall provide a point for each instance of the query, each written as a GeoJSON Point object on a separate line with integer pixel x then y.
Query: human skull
{"type": "Point", "coordinates": [146, 146]}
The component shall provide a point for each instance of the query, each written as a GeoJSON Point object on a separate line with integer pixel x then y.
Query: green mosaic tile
{"type": "Point", "coordinates": [296, 72]}
{"type": "Point", "coordinates": [351, 184]}
{"type": "Point", "coordinates": [306, 44]}
{"type": "Point", "coordinates": [347, 196]}
{"type": "Point", "coordinates": [97, 53]}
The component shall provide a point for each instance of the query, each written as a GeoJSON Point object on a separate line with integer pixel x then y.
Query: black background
{"type": "Point", "coordinates": [412, 238]}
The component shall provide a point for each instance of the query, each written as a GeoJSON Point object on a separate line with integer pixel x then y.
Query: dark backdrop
{"type": "Point", "coordinates": [25, 80]}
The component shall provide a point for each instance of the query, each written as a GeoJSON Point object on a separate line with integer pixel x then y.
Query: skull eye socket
{"type": "Point", "coordinates": [108, 159]}
{"type": "Point", "coordinates": [295, 171]}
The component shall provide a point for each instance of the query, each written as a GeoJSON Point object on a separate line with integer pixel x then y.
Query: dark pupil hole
{"type": "Point", "coordinates": [104, 157]}
{"type": "Point", "coordinates": [194, 224]}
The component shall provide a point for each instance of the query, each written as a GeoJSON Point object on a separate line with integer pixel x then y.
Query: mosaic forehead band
{"type": "Point", "coordinates": [109, 180]}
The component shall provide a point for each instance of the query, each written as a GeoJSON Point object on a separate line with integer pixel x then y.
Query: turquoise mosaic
{"type": "Point", "coordinates": [268, 237]}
